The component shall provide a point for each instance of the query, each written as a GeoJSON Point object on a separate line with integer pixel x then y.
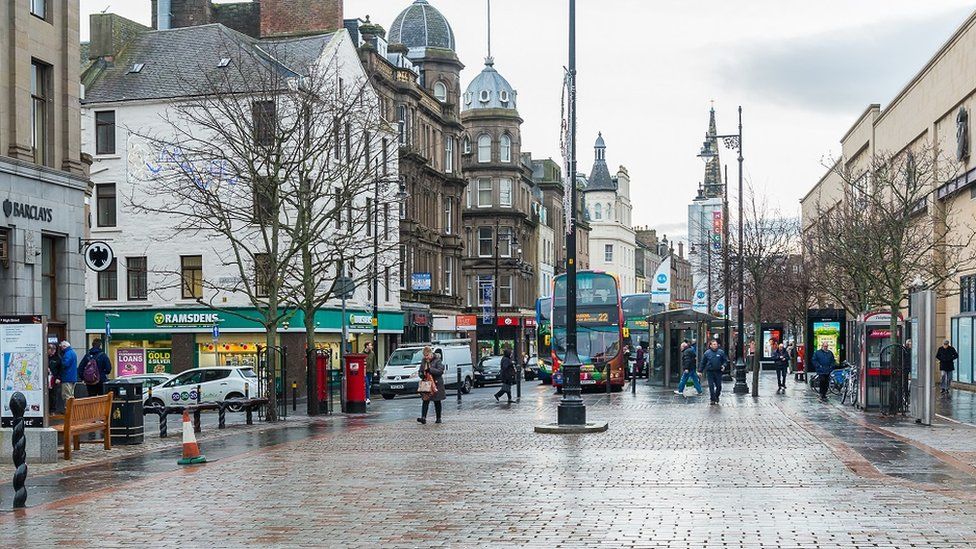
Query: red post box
{"type": "Point", "coordinates": [321, 380]}
{"type": "Point", "coordinates": [355, 384]}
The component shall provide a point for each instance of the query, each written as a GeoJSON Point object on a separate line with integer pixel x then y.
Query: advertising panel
{"type": "Point", "coordinates": [24, 367]}
{"type": "Point", "coordinates": [772, 337]}
{"type": "Point", "coordinates": [159, 361]}
{"type": "Point", "coordinates": [826, 331]}
{"type": "Point", "coordinates": [130, 362]}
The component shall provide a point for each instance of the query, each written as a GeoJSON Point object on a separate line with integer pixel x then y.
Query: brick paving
{"type": "Point", "coordinates": [670, 472]}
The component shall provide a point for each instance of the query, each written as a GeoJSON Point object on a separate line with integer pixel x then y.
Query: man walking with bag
{"type": "Point", "coordinates": [688, 358]}
{"type": "Point", "coordinates": [509, 376]}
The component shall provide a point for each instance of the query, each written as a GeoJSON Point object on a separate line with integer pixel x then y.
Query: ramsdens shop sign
{"type": "Point", "coordinates": [186, 319]}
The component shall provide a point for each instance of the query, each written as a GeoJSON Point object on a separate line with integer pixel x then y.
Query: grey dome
{"type": "Point", "coordinates": [489, 90]}
{"type": "Point", "coordinates": [421, 26]}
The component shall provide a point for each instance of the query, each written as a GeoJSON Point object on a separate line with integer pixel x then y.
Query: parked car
{"type": "Point", "coordinates": [530, 370]}
{"type": "Point", "coordinates": [399, 376]}
{"type": "Point", "coordinates": [215, 384]}
{"type": "Point", "coordinates": [488, 370]}
{"type": "Point", "coordinates": [149, 380]}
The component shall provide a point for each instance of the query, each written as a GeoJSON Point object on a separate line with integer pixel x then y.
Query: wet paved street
{"type": "Point", "coordinates": [672, 471]}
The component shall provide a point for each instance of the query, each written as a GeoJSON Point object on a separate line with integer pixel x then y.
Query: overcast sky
{"type": "Point", "coordinates": [802, 71]}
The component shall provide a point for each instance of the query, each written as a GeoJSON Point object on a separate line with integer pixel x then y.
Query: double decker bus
{"type": "Point", "coordinates": [543, 335]}
{"type": "Point", "coordinates": [637, 307]}
{"type": "Point", "coordinates": [599, 329]}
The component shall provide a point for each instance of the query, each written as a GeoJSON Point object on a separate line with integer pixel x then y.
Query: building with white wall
{"type": "Point", "coordinates": [612, 243]}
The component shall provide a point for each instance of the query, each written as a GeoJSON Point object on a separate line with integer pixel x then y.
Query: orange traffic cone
{"type": "Point", "coordinates": [191, 450]}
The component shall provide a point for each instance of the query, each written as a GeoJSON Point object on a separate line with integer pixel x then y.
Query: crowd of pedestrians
{"type": "Point", "coordinates": [66, 371]}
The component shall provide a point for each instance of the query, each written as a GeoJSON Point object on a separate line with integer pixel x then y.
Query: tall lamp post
{"type": "Point", "coordinates": [512, 244]}
{"type": "Point", "coordinates": [734, 141]}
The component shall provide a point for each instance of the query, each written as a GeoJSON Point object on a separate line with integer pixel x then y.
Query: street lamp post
{"type": "Point", "coordinates": [734, 141]}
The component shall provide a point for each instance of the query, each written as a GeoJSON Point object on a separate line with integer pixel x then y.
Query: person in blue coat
{"type": "Point", "coordinates": [69, 371]}
{"type": "Point", "coordinates": [104, 365]}
{"type": "Point", "coordinates": [824, 362]}
{"type": "Point", "coordinates": [713, 363]}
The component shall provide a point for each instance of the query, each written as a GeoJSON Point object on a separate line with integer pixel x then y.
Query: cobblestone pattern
{"type": "Point", "coordinates": [671, 472]}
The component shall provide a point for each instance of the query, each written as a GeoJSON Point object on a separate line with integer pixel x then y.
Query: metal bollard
{"type": "Point", "coordinates": [249, 415]}
{"type": "Point", "coordinates": [294, 396]}
{"type": "Point", "coordinates": [163, 428]}
{"type": "Point", "coordinates": [247, 390]}
{"type": "Point", "coordinates": [18, 405]}
{"type": "Point", "coordinates": [607, 378]}
{"type": "Point", "coordinates": [222, 416]}
{"type": "Point", "coordinates": [196, 420]}
{"type": "Point", "coordinates": [518, 384]}
{"type": "Point", "coordinates": [633, 380]}
{"type": "Point", "coordinates": [199, 394]}
{"type": "Point", "coordinates": [459, 385]}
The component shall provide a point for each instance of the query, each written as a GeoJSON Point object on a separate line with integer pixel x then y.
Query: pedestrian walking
{"type": "Point", "coordinates": [69, 372]}
{"type": "Point", "coordinates": [689, 356]}
{"type": "Point", "coordinates": [781, 360]}
{"type": "Point", "coordinates": [824, 363]}
{"type": "Point", "coordinates": [370, 368]}
{"type": "Point", "coordinates": [54, 377]}
{"type": "Point", "coordinates": [946, 356]}
{"type": "Point", "coordinates": [713, 363]}
{"type": "Point", "coordinates": [432, 372]}
{"type": "Point", "coordinates": [509, 376]}
{"type": "Point", "coordinates": [641, 359]}
{"type": "Point", "coordinates": [95, 368]}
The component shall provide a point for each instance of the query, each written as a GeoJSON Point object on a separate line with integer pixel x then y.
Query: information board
{"type": "Point", "coordinates": [23, 367]}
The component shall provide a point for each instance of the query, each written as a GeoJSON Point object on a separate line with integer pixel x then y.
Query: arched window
{"type": "Point", "coordinates": [484, 149]}
{"type": "Point", "coordinates": [506, 152]}
{"type": "Point", "coordinates": [598, 211]}
{"type": "Point", "coordinates": [466, 145]}
{"type": "Point", "coordinates": [440, 91]}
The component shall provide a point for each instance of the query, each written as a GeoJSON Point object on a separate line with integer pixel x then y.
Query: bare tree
{"type": "Point", "coordinates": [768, 241]}
{"type": "Point", "coordinates": [262, 159]}
{"type": "Point", "coordinates": [889, 232]}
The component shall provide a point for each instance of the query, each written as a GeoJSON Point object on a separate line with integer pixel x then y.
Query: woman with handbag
{"type": "Point", "coordinates": [431, 386]}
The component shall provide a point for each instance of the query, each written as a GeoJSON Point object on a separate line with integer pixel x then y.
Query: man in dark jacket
{"type": "Point", "coordinates": [824, 362]}
{"type": "Point", "coordinates": [689, 355]}
{"type": "Point", "coordinates": [370, 368]}
{"type": "Point", "coordinates": [781, 359]}
{"type": "Point", "coordinates": [713, 363]}
{"type": "Point", "coordinates": [946, 356]}
{"type": "Point", "coordinates": [103, 364]}
{"type": "Point", "coordinates": [509, 376]}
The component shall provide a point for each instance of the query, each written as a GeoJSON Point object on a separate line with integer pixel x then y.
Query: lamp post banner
{"type": "Point", "coordinates": [567, 137]}
{"type": "Point", "coordinates": [661, 287]}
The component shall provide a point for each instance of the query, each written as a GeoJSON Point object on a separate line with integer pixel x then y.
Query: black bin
{"type": "Point", "coordinates": [127, 420]}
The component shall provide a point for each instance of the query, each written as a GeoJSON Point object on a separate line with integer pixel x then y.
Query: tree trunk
{"type": "Point", "coordinates": [271, 360]}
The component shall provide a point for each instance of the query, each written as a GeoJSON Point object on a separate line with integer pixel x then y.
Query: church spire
{"type": "Point", "coordinates": [712, 183]}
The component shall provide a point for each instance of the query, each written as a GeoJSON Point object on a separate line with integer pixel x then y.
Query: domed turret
{"type": "Point", "coordinates": [489, 90]}
{"type": "Point", "coordinates": [422, 26]}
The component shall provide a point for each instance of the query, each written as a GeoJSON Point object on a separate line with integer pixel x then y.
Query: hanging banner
{"type": "Point", "coordinates": [24, 367]}
{"type": "Point", "coordinates": [661, 287]}
{"type": "Point", "coordinates": [700, 303]}
{"type": "Point", "coordinates": [566, 138]}
{"type": "Point", "coordinates": [720, 308]}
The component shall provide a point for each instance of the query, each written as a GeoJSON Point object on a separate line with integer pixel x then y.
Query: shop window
{"type": "Point", "coordinates": [191, 271]}
{"type": "Point", "coordinates": [137, 278]}
{"type": "Point", "coordinates": [105, 132]}
{"type": "Point", "coordinates": [262, 275]}
{"type": "Point", "coordinates": [264, 120]}
{"type": "Point", "coordinates": [108, 283]}
{"type": "Point", "coordinates": [105, 204]}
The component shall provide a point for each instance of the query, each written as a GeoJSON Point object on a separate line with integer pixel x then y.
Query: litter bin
{"type": "Point", "coordinates": [127, 419]}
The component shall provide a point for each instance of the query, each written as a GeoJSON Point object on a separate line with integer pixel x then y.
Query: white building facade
{"type": "Point", "coordinates": [172, 324]}
{"type": "Point", "coordinates": [612, 243]}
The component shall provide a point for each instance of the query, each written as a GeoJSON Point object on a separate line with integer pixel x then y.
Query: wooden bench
{"type": "Point", "coordinates": [85, 415]}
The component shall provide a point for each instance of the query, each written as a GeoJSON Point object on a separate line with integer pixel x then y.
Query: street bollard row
{"type": "Point", "coordinates": [18, 405]}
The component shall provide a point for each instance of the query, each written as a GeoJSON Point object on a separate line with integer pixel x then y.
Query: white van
{"type": "Point", "coordinates": [399, 376]}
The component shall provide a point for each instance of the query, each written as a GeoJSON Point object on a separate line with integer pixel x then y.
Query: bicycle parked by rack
{"type": "Point", "coordinates": [851, 383]}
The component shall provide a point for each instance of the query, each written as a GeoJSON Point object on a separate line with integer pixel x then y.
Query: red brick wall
{"type": "Point", "coordinates": [297, 17]}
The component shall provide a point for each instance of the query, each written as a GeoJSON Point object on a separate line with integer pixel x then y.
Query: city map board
{"type": "Point", "coordinates": [23, 367]}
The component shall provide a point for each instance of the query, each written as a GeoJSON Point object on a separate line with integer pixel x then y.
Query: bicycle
{"type": "Point", "coordinates": [851, 383]}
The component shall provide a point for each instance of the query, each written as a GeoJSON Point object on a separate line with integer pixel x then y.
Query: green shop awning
{"type": "Point", "coordinates": [202, 320]}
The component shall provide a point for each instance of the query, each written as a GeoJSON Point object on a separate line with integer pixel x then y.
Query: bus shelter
{"type": "Point", "coordinates": [666, 332]}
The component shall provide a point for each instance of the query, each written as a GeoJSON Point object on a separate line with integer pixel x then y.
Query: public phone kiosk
{"type": "Point", "coordinates": [873, 335]}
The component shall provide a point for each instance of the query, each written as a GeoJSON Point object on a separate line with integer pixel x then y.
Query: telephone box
{"type": "Point", "coordinates": [873, 335]}
{"type": "Point", "coordinates": [355, 386]}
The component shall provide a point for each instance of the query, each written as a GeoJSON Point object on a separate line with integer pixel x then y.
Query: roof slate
{"type": "Point", "coordinates": [183, 62]}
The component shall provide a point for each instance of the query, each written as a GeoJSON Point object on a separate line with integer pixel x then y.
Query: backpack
{"type": "Point", "coordinates": [89, 370]}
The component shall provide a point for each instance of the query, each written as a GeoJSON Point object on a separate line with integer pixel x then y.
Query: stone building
{"type": "Point", "coordinates": [547, 193]}
{"type": "Point", "coordinates": [499, 266]}
{"type": "Point", "coordinates": [417, 74]}
{"type": "Point", "coordinates": [932, 111]}
{"type": "Point", "coordinates": [43, 174]}
{"type": "Point", "coordinates": [611, 238]}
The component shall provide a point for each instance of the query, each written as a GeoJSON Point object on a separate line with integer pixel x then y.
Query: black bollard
{"type": "Point", "coordinates": [249, 415]}
{"type": "Point", "coordinates": [222, 416]}
{"type": "Point", "coordinates": [163, 428]}
{"type": "Point", "coordinates": [608, 378]}
{"type": "Point", "coordinates": [294, 396]}
{"type": "Point", "coordinates": [196, 420]}
{"type": "Point", "coordinates": [18, 405]}
{"type": "Point", "coordinates": [633, 380]}
{"type": "Point", "coordinates": [459, 385]}
{"type": "Point", "coordinates": [518, 384]}
{"type": "Point", "coordinates": [199, 394]}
